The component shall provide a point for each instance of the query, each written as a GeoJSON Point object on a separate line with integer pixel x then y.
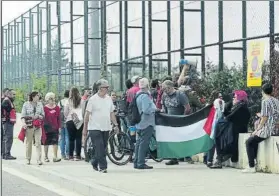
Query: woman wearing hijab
{"type": "Point", "coordinates": [227, 130]}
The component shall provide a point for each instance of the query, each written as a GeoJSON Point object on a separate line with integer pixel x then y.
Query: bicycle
{"type": "Point", "coordinates": [123, 143]}
{"type": "Point", "coordinates": [88, 148]}
{"type": "Point", "coordinates": [127, 145]}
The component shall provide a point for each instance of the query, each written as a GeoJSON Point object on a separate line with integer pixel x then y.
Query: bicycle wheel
{"type": "Point", "coordinates": [153, 150]}
{"type": "Point", "coordinates": [119, 150]}
{"type": "Point", "coordinates": [88, 149]}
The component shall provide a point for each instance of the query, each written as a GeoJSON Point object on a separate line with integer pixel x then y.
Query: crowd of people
{"type": "Point", "coordinates": [94, 114]}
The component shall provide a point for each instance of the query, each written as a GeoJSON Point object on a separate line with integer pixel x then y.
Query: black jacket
{"type": "Point", "coordinates": [240, 117]}
{"type": "Point", "coordinates": [6, 106]}
{"type": "Point", "coordinates": [228, 129]}
{"type": "Point", "coordinates": [224, 136]}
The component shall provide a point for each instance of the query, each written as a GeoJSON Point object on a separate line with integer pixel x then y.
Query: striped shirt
{"type": "Point", "coordinates": [270, 109]}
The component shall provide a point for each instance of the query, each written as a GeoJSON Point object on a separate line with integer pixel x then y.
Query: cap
{"type": "Point", "coordinates": [143, 83]}
{"type": "Point", "coordinates": [135, 78]}
{"type": "Point", "coordinates": [183, 62]}
{"type": "Point", "coordinates": [102, 83]}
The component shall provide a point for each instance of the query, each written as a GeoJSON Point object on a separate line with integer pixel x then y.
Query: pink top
{"type": "Point", "coordinates": [131, 93]}
{"type": "Point", "coordinates": [159, 99]}
{"type": "Point", "coordinates": [52, 117]}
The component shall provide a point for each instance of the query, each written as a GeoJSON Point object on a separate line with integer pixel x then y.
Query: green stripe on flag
{"type": "Point", "coordinates": [184, 149]}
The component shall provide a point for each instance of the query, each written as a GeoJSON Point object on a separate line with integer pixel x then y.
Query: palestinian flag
{"type": "Point", "coordinates": [182, 136]}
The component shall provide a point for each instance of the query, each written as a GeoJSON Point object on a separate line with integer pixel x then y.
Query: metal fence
{"type": "Point", "coordinates": [76, 42]}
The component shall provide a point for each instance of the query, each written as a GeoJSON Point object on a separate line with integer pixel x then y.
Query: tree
{"type": "Point", "coordinates": [274, 74]}
{"type": "Point", "coordinates": [56, 57]}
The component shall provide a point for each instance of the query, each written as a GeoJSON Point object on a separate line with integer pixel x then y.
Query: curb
{"type": "Point", "coordinates": [69, 183]}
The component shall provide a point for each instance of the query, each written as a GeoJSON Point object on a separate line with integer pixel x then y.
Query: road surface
{"type": "Point", "coordinates": [15, 186]}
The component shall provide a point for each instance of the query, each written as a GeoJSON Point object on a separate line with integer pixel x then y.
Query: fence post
{"type": "Point", "coordinates": [58, 14]}
{"type": "Point", "coordinates": [86, 59]}
{"type": "Point", "coordinates": [244, 35]}
{"type": "Point", "coordinates": [271, 41]}
{"type": "Point", "coordinates": [221, 34]}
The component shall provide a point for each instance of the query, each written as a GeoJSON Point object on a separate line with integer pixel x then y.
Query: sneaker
{"type": "Point", "coordinates": [95, 168]}
{"type": "Point", "coordinates": [172, 162]}
{"type": "Point", "coordinates": [28, 162]}
{"type": "Point", "coordinates": [66, 158]}
{"type": "Point", "coordinates": [46, 159]}
{"type": "Point", "coordinates": [144, 167]}
{"type": "Point", "coordinates": [209, 164]}
{"type": "Point", "coordinates": [9, 157]}
{"type": "Point", "coordinates": [189, 160]}
{"type": "Point", "coordinates": [103, 171]}
{"type": "Point", "coordinates": [39, 162]}
{"type": "Point", "coordinates": [55, 160]}
{"type": "Point", "coordinates": [249, 170]}
{"type": "Point", "coordinates": [71, 158]}
{"type": "Point", "coordinates": [216, 165]}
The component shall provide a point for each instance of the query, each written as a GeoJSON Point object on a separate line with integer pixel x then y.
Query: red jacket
{"type": "Point", "coordinates": [159, 99]}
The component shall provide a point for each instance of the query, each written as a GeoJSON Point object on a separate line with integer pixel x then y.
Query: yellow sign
{"type": "Point", "coordinates": [255, 61]}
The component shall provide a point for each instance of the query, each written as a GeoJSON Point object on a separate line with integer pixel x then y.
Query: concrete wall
{"type": "Point", "coordinates": [268, 155]}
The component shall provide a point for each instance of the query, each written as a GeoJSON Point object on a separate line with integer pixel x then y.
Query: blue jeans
{"type": "Point", "coordinates": [142, 145]}
{"type": "Point", "coordinates": [64, 142]}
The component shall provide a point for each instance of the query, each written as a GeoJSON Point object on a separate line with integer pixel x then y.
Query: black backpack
{"type": "Point", "coordinates": [133, 112]}
{"type": "Point", "coordinates": [123, 104]}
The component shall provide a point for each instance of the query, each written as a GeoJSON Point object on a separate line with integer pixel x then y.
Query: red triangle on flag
{"type": "Point", "coordinates": [209, 121]}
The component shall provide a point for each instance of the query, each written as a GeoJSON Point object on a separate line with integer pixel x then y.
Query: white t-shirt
{"type": "Point", "coordinates": [100, 109]}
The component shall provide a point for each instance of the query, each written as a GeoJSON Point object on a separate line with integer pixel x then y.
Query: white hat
{"type": "Point", "coordinates": [135, 78]}
{"type": "Point", "coordinates": [143, 83]}
{"type": "Point", "coordinates": [102, 83]}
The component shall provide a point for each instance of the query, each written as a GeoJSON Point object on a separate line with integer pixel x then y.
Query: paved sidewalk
{"type": "Point", "coordinates": [180, 180]}
{"type": "Point", "coordinates": [14, 186]}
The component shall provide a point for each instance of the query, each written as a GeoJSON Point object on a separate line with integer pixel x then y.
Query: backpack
{"type": "Point", "coordinates": [133, 112]}
{"type": "Point", "coordinates": [123, 104]}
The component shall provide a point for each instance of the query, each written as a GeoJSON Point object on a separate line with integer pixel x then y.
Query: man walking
{"type": "Point", "coordinates": [9, 120]}
{"type": "Point", "coordinates": [145, 127]}
{"type": "Point", "coordinates": [98, 117]}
